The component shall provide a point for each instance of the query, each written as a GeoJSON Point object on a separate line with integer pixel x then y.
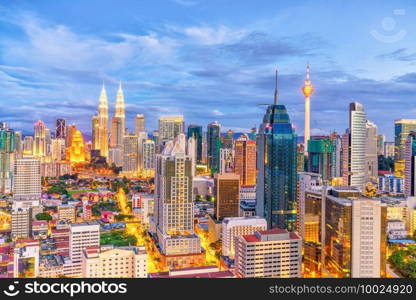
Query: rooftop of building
{"type": "Point", "coordinates": [271, 235]}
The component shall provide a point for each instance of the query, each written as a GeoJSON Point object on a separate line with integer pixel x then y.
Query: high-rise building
{"type": "Point", "coordinates": [234, 227]}
{"type": "Point", "coordinates": [389, 149]}
{"type": "Point", "coordinates": [277, 168]}
{"type": "Point", "coordinates": [26, 179]}
{"type": "Point", "coordinates": [173, 209]}
{"type": "Point", "coordinates": [402, 128]}
{"type": "Point", "coordinates": [357, 174]}
{"type": "Point", "coordinates": [116, 132]}
{"type": "Point", "coordinates": [19, 143]}
{"type": "Point", "coordinates": [227, 195]}
{"type": "Point", "coordinates": [214, 146]}
{"type": "Point", "coordinates": [149, 158]}
{"type": "Point", "coordinates": [39, 148]}
{"type": "Point", "coordinates": [95, 125]}
{"type": "Point", "coordinates": [169, 128]}
{"type": "Point", "coordinates": [21, 222]}
{"type": "Point", "coordinates": [28, 145]}
{"type": "Point", "coordinates": [120, 113]}
{"type": "Point", "coordinates": [195, 131]}
{"type": "Point", "coordinates": [70, 131]}
{"type": "Point", "coordinates": [354, 234]}
{"type": "Point", "coordinates": [60, 129]}
{"type": "Point", "coordinates": [410, 165]}
{"type": "Point", "coordinates": [7, 156]}
{"type": "Point", "coordinates": [75, 153]}
{"type": "Point", "coordinates": [245, 160]}
{"type": "Point", "coordinates": [251, 261]}
{"type": "Point", "coordinates": [226, 160]}
{"type": "Point", "coordinates": [67, 213]}
{"type": "Point", "coordinates": [82, 236]}
{"type": "Point", "coordinates": [321, 157]}
{"type": "Point", "coordinates": [307, 90]}
{"type": "Point", "coordinates": [122, 262]}
{"type": "Point", "coordinates": [139, 124]}
{"type": "Point", "coordinates": [58, 151]}
{"type": "Point", "coordinates": [130, 154]}
{"type": "Point", "coordinates": [103, 123]}
{"type": "Point", "coordinates": [371, 149]}
{"type": "Point", "coordinates": [380, 144]}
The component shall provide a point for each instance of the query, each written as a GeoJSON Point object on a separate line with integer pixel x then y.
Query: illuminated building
{"type": "Point", "coordinates": [18, 143]}
{"type": "Point", "coordinates": [22, 222]}
{"type": "Point", "coordinates": [251, 261]}
{"type": "Point", "coordinates": [58, 149]}
{"type": "Point", "coordinates": [60, 129]}
{"type": "Point", "coordinates": [277, 168]}
{"type": "Point", "coordinates": [173, 208]}
{"type": "Point", "coordinates": [116, 132]}
{"type": "Point", "coordinates": [355, 172]}
{"type": "Point", "coordinates": [7, 155]}
{"type": "Point", "coordinates": [402, 128]}
{"type": "Point", "coordinates": [120, 113]}
{"type": "Point", "coordinates": [70, 131]}
{"type": "Point", "coordinates": [410, 165]}
{"type": "Point", "coordinates": [76, 150]}
{"type": "Point", "coordinates": [139, 124]}
{"type": "Point", "coordinates": [122, 262]}
{"type": "Point", "coordinates": [149, 158]}
{"type": "Point", "coordinates": [321, 157]}
{"type": "Point", "coordinates": [355, 234]}
{"type": "Point", "coordinates": [169, 128]}
{"type": "Point", "coordinates": [214, 146]}
{"type": "Point", "coordinates": [28, 145]}
{"type": "Point", "coordinates": [130, 154]}
{"type": "Point", "coordinates": [233, 227]}
{"type": "Point", "coordinates": [86, 210]}
{"type": "Point", "coordinates": [371, 149]}
{"type": "Point", "coordinates": [95, 132]}
{"type": "Point", "coordinates": [82, 235]}
{"type": "Point", "coordinates": [227, 195]}
{"type": "Point", "coordinates": [27, 180]}
{"type": "Point", "coordinates": [307, 90]}
{"type": "Point", "coordinates": [39, 147]}
{"type": "Point", "coordinates": [195, 131]}
{"type": "Point", "coordinates": [115, 156]}
{"type": "Point", "coordinates": [245, 160]}
{"type": "Point", "coordinates": [102, 131]}
{"type": "Point", "coordinates": [142, 137]}
{"type": "Point", "coordinates": [26, 253]}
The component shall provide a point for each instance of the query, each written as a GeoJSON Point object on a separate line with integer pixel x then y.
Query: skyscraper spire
{"type": "Point", "coordinates": [102, 140]}
{"type": "Point", "coordinates": [276, 91]}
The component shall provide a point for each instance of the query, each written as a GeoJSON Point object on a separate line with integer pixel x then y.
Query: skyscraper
{"type": "Point", "coordinates": [120, 113]}
{"type": "Point", "coordinates": [139, 124]}
{"type": "Point", "coordinates": [26, 179]}
{"type": "Point", "coordinates": [321, 157]}
{"type": "Point", "coordinates": [357, 174]}
{"type": "Point", "coordinates": [245, 159]}
{"type": "Point", "coordinates": [28, 145]}
{"type": "Point", "coordinates": [307, 90]}
{"type": "Point", "coordinates": [174, 201]}
{"type": "Point", "coordinates": [169, 128]}
{"type": "Point", "coordinates": [277, 168]}
{"type": "Point", "coordinates": [410, 165]}
{"type": "Point", "coordinates": [130, 154]}
{"type": "Point", "coordinates": [103, 123]}
{"type": "Point", "coordinates": [195, 131]}
{"type": "Point", "coordinates": [39, 149]}
{"type": "Point", "coordinates": [213, 146]}
{"type": "Point", "coordinates": [371, 149]}
{"type": "Point", "coordinates": [7, 156]}
{"type": "Point", "coordinates": [402, 128]}
{"type": "Point", "coordinates": [60, 128]}
{"type": "Point", "coordinates": [116, 132]}
{"type": "Point", "coordinates": [227, 195]}
{"type": "Point", "coordinates": [95, 125]}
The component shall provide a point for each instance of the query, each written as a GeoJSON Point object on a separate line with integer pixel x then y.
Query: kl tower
{"type": "Point", "coordinates": [307, 90]}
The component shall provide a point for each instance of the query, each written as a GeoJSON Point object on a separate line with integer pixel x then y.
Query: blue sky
{"type": "Point", "coordinates": [207, 59]}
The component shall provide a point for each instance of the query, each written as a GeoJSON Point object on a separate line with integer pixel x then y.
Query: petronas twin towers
{"type": "Point", "coordinates": [100, 123]}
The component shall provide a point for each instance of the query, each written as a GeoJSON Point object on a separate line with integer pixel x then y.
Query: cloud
{"type": "Point", "coordinates": [401, 54]}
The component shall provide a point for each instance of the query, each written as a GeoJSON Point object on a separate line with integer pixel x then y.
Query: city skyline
{"type": "Point", "coordinates": [189, 55]}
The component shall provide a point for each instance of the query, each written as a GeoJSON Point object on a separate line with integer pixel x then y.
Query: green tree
{"type": "Point", "coordinates": [43, 217]}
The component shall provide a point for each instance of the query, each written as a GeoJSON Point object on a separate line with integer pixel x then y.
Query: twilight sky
{"type": "Point", "coordinates": [207, 59]}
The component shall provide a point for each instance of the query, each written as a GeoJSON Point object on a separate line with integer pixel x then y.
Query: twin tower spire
{"type": "Point", "coordinates": [100, 127]}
